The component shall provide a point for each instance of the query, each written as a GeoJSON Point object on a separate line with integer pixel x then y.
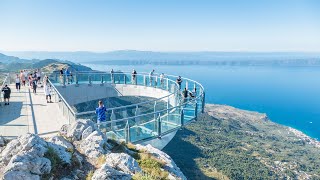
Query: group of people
{"type": "Point", "coordinates": [31, 79]}
{"type": "Point", "coordinates": [66, 73]}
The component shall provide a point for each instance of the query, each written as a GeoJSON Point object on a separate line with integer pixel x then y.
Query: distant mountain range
{"type": "Point", "coordinates": [13, 64]}
{"type": "Point", "coordinates": [132, 57]}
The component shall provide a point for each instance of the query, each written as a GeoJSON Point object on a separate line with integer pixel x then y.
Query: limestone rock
{"type": "Point", "coordinates": [108, 173]}
{"type": "Point", "coordinates": [29, 163]}
{"type": "Point", "coordinates": [61, 141]}
{"type": "Point", "coordinates": [94, 145]}
{"type": "Point", "coordinates": [25, 143]}
{"type": "Point", "coordinates": [123, 162]}
{"type": "Point", "coordinates": [64, 130]}
{"type": "Point", "coordinates": [62, 147]}
{"type": "Point", "coordinates": [170, 165]}
{"type": "Point", "coordinates": [75, 130]}
{"type": "Point", "coordinates": [86, 132]}
{"type": "Point", "coordinates": [20, 175]}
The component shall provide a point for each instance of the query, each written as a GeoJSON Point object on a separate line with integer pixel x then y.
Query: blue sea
{"type": "Point", "coordinates": [289, 95]}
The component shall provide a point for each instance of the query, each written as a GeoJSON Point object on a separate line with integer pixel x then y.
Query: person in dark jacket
{"type": "Point", "coordinates": [6, 94]}
{"type": "Point", "coordinates": [34, 86]}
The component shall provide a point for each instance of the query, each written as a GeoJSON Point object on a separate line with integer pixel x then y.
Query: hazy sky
{"type": "Point", "coordinates": [163, 25]}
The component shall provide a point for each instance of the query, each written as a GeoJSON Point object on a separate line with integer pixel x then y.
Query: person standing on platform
{"type": "Point", "coordinates": [47, 92]}
{"type": "Point", "coordinates": [25, 73]}
{"type": "Point", "coordinates": [162, 80]}
{"type": "Point", "coordinates": [18, 83]}
{"type": "Point", "coordinates": [22, 78]}
{"type": "Point", "coordinates": [101, 112]}
{"type": "Point", "coordinates": [179, 81]}
{"type": "Point", "coordinates": [151, 77]}
{"type": "Point", "coordinates": [112, 75]}
{"type": "Point", "coordinates": [134, 77]}
{"type": "Point", "coordinates": [34, 85]}
{"type": "Point", "coordinates": [6, 94]}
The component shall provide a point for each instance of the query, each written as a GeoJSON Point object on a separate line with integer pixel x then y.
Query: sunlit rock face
{"type": "Point", "coordinates": [81, 151]}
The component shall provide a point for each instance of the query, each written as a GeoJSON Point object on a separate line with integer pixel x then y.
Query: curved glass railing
{"type": "Point", "coordinates": [144, 120]}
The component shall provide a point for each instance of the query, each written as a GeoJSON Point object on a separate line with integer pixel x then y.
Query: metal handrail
{"type": "Point", "coordinates": [64, 101]}
{"type": "Point", "coordinates": [131, 105]}
{"type": "Point", "coordinates": [137, 104]}
{"type": "Point", "coordinates": [141, 115]}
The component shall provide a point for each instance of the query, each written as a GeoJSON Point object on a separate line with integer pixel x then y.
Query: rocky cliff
{"type": "Point", "coordinates": [82, 151]}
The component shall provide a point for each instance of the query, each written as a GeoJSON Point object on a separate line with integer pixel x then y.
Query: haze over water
{"type": "Point", "coordinates": [289, 95]}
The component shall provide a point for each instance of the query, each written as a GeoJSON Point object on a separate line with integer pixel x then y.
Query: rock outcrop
{"type": "Point", "coordinates": [123, 162]}
{"type": "Point", "coordinates": [24, 157]}
{"type": "Point", "coordinates": [170, 165]}
{"type": "Point", "coordinates": [106, 172]}
{"type": "Point", "coordinates": [81, 152]}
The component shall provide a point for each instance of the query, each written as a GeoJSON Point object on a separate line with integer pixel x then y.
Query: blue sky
{"type": "Point", "coordinates": [163, 25]}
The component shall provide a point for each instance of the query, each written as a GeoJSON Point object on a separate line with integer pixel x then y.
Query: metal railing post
{"type": "Point", "coordinates": [187, 84]}
{"type": "Point", "coordinates": [63, 80]}
{"type": "Point", "coordinates": [156, 82]}
{"type": "Point", "coordinates": [182, 117]}
{"type": "Point", "coordinates": [167, 84]}
{"type": "Point", "coordinates": [159, 126]}
{"type": "Point", "coordinates": [144, 80]}
{"type": "Point", "coordinates": [196, 111]}
{"type": "Point", "coordinates": [203, 101]}
{"type": "Point", "coordinates": [127, 132]}
{"type": "Point", "coordinates": [155, 109]}
{"type": "Point", "coordinates": [168, 105]}
{"type": "Point", "coordinates": [112, 118]}
{"type": "Point", "coordinates": [124, 79]}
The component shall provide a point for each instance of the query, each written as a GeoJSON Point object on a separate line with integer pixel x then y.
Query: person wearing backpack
{"type": "Point", "coordinates": [6, 94]}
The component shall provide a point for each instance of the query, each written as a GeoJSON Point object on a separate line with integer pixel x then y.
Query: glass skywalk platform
{"type": "Point", "coordinates": [141, 121]}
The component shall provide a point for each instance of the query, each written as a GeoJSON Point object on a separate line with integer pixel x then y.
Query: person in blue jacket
{"type": "Point", "coordinates": [101, 112]}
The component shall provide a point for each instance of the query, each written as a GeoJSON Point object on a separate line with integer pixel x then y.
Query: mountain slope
{"type": "Point", "coordinates": [227, 142]}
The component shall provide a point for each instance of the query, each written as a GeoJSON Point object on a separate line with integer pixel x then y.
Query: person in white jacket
{"type": "Point", "coordinates": [47, 92]}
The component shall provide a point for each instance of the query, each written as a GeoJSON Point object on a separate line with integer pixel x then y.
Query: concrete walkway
{"type": "Point", "coordinates": [14, 118]}
{"type": "Point", "coordinates": [29, 112]}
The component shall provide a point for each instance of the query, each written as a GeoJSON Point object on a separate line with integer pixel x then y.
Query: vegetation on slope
{"type": "Point", "coordinates": [240, 148]}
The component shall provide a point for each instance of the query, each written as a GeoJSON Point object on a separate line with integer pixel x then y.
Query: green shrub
{"type": "Point", "coordinates": [56, 162]}
{"type": "Point", "coordinates": [152, 166]}
{"type": "Point", "coordinates": [89, 175]}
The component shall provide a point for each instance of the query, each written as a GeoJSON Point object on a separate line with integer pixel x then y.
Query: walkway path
{"type": "Point", "coordinates": [29, 112]}
{"type": "Point", "coordinates": [14, 118]}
